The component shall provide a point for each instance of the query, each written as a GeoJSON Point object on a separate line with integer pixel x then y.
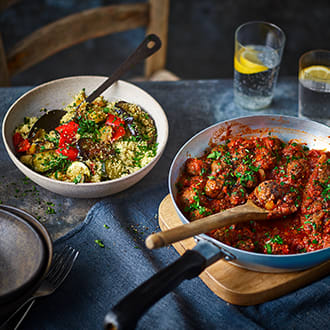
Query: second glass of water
{"type": "Point", "coordinates": [314, 86]}
{"type": "Point", "coordinates": [258, 52]}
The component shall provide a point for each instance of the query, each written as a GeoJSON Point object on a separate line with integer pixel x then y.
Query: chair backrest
{"type": "Point", "coordinates": [71, 30]}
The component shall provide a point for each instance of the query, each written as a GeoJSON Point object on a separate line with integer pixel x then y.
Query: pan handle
{"type": "Point", "coordinates": [127, 312]}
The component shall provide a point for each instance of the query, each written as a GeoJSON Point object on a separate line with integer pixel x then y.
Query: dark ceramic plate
{"type": "Point", "coordinates": [22, 255]}
{"type": "Point", "coordinates": [37, 226]}
{"type": "Point", "coordinates": [25, 256]}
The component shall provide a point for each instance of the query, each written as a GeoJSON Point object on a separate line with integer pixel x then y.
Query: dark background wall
{"type": "Point", "coordinates": [200, 40]}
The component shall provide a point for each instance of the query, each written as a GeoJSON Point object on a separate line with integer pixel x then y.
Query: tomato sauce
{"type": "Point", "coordinates": [289, 180]}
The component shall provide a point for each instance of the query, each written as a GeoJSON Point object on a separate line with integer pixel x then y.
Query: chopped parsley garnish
{"type": "Point", "coordinates": [277, 239]}
{"type": "Point", "coordinates": [196, 205]}
{"type": "Point", "coordinates": [214, 155]}
{"type": "Point", "coordinates": [326, 190]}
{"type": "Point", "coordinates": [268, 248]}
{"type": "Point", "coordinates": [89, 128]}
{"type": "Point", "coordinates": [50, 210]}
{"type": "Point", "coordinates": [56, 162]}
{"type": "Point", "coordinates": [77, 179]}
{"type": "Point", "coordinates": [99, 243]}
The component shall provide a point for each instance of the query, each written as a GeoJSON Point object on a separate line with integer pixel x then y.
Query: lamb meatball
{"type": "Point", "coordinates": [297, 168]}
{"type": "Point", "coordinates": [274, 144]}
{"type": "Point", "coordinates": [268, 193]}
{"type": "Point", "coordinates": [189, 196]}
{"type": "Point", "coordinates": [194, 166]}
{"type": "Point", "coordinates": [246, 177]}
{"type": "Point", "coordinates": [323, 169]}
{"type": "Point", "coordinates": [264, 158]}
{"type": "Point", "coordinates": [293, 149]}
{"type": "Point", "coordinates": [213, 187]}
{"type": "Point", "coordinates": [238, 195]}
{"type": "Point", "coordinates": [218, 166]}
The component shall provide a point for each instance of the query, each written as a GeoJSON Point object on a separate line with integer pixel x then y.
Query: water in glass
{"type": "Point", "coordinates": [256, 69]}
{"type": "Point", "coordinates": [314, 100]}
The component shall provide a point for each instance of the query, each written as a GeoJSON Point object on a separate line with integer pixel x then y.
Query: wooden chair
{"type": "Point", "coordinates": [101, 21]}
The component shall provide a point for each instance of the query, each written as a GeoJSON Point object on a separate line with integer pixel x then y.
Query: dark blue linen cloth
{"type": "Point", "coordinates": [102, 276]}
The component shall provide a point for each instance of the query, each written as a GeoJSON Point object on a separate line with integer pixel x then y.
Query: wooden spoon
{"type": "Point", "coordinates": [149, 46]}
{"type": "Point", "coordinates": [241, 213]}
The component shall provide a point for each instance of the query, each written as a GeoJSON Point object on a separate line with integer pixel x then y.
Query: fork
{"type": "Point", "coordinates": [60, 268]}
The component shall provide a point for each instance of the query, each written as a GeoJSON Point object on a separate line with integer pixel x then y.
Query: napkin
{"type": "Point", "coordinates": [102, 275]}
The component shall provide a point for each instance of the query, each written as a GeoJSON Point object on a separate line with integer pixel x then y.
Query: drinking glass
{"type": "Point", "coordinates": [314, 85]}
{"type": "Point", "coordinates": [258, 52]}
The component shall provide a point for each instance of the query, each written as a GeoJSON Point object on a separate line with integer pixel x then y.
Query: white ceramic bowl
{"type": "Point", "coordinates": [57, 94]}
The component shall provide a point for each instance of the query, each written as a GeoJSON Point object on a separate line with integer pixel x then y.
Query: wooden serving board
{"type": "Point", "coordinates": [237, 285]}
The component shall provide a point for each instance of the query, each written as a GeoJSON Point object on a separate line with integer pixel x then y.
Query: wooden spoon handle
{"type": "Point", "coordinates": [236, 214]}
{"type": "Point", "coordinates": [148, 46]}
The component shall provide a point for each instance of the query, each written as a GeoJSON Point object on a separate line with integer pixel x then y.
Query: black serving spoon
{"type": "Point", "coordinates": [149, 46]}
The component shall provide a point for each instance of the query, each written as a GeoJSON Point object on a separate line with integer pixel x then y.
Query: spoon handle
{"type": "Point", "coordinates": [148, 47]}
{"type": "Point", "coordinates": [236, 214]}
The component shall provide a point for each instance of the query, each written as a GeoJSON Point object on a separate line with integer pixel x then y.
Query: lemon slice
{"type": "Point", "coordinates": [319, 73]}
{"type": "Point", "coordinates": [246, 61]}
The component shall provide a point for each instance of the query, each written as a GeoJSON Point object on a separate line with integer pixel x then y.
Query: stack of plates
{"type": "Point", "coordinates": [25, 256]}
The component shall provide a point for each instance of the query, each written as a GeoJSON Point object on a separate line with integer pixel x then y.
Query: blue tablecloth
{"type": "Point", "coordinates": [102, 276]}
